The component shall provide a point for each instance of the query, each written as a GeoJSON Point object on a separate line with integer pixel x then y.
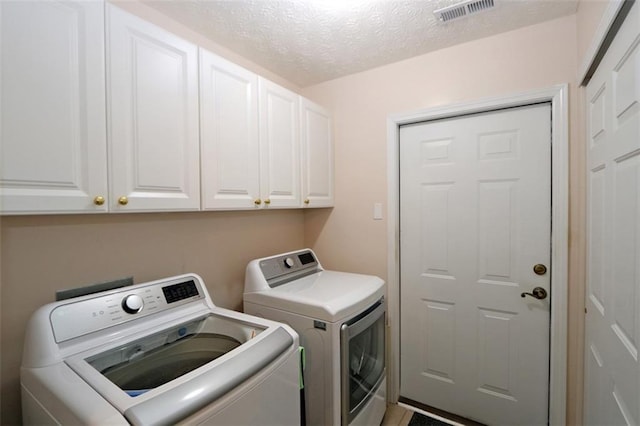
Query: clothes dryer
{"type": "Point", "coordinates": [340, 318]}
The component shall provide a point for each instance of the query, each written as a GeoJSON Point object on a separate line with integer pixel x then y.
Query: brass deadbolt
{"type": "Point", "coordinates": [540, 269]}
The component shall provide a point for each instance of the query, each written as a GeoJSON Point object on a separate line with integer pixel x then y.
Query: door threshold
{"type": "Point", "coordinates": [437, 413]}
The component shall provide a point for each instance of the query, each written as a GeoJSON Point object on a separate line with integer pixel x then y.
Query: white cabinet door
{"type": "Point", "coordinates": [152, 100]}
{"type": "Point", "coordinates": [230, 147]}
{"type": "Point", "coordinates": [279, 146]}
{"type": "Point", "coordinates": [53, 138]}
{"type": "Point", "coordinates": [317, 155]}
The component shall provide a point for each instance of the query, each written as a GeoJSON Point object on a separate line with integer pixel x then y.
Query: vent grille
{"type": "Point", "coordinates": [463, 9]}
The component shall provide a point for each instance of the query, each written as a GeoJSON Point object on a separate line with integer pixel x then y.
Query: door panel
{"type": "Point", "coordinates": [53, 139]}
{"type": "Point", "coordinates": [153, 116]}
{"type": "Point", "coordinates": [230, 145]}
{"type": "Point", "coordinates": [317, 155]}
{"type": "Point", "coordinates": [612, 371]}
{"type": "Point", "coordinates": [279, 145]}
{"type": "Point", "coordinates": [475, 219]}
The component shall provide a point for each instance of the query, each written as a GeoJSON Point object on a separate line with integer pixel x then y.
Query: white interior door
{"type": "Point", "coordinates": [612, 371]}
{"type": "Point", "coordinates": [475, 209]}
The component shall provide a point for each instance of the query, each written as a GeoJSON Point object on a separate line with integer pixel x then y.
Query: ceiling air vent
{"type": "Point", "coordinates": [463, 9]}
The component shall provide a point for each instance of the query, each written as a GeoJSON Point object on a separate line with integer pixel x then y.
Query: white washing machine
{"type": "Point", "coordinates": [158, 353]}
{"type": "Point", "coordinates": [340, 318]}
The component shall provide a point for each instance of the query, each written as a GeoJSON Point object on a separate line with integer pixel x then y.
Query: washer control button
{"type": "Point", "coordinates": [288, 262]}
{"type": "Point", "coordinates": [132, 304]}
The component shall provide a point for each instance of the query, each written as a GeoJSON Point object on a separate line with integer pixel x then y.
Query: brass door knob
{"type": "Point", "coordinates": [99, 200]}
{"type": "Point", "coordinates": [267, 201]}
{"type": "Point", "coordinates": [123, 201]}
{"type": "Point", "coordinates": [257, 201]}
{"type": "Point", "coordinates": [307, 201]}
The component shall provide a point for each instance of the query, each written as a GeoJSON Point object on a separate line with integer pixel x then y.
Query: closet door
{"type": "Point", "coordinates": [153, 117]}
{"type": "Point", "coordinates": [52, 107]}
{"type": "Point", "coordinates": [612, 337]}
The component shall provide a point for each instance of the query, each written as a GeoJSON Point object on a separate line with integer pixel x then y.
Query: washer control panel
{"type": "Point", "coordinates": [91, 314]}
{"type": "Point", "coordinates": [278, 270]}
{"type": "Point", "coordinates": [132, 304]}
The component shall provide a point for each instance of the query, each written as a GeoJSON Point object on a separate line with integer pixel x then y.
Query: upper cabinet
{"type": "Point", "coordinates": [230, 146]}
{"type": "Point", "coordinates": [279, 146]}
{"type": "Point", "coordinates": [317, 155]}
{"type": "Point", "coordinates": [250, 139]}
{"type": "Point", "coordinates": [52, 107]}
{"type": "Point", "coordinates": [110, 113]}
{"type": "Point", "coordinates": [152, 101]}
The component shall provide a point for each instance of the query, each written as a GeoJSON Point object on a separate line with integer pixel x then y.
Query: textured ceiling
{"type": "Point", "coordinates": [311, 41]}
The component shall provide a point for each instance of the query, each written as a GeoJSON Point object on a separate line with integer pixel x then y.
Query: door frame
{"type": "Point", "coordinates": [558, 97]}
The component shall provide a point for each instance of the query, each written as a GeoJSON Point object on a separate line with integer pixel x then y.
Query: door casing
{"type": "Point", "coordinates": [558, 96]}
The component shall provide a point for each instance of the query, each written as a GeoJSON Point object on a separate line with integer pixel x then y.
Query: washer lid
{"type": "Point", "coordinates": [327, 295]}
{"type": "Point", "coordinates": [161, 361]}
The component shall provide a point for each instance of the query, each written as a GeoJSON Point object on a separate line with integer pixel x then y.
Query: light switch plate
{"type": "Point", "coordinates": [377, 211]}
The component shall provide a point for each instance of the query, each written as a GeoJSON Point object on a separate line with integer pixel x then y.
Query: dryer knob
{"type": "Point", "coordinates": [288, 262]}
{"type": "Point", "coordinates": [132, 304]}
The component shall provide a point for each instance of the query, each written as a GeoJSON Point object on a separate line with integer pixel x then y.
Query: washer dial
{"type": "Point", "coordinates": [132, 304]}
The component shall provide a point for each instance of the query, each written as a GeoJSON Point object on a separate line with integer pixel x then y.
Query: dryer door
{"type": "Point", "coordinates": [362, 343]}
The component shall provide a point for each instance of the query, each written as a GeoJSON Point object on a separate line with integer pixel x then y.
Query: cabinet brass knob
{"type": "Point", "coordinates": [267, 201]}
{"type": "Point", "coordinates": [257, 201]}
{"type": "Point", "coordinates": [123, 201]}
{"type": "Point", "coordinates": [307, 201]}
{"type": "Point", "coordinates": [99, 200]}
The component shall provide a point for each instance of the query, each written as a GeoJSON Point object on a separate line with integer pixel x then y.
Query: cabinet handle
{"type": "Point", "coordinates": [123, 201]}
{"type": "Point", "coordinates": [307, 201]}
{"type": "Point", "coordinates": [99, 200]}
{"type": "Point", "coordinates": [267, 201]}
{"type": "Point", "coordinates": [257, 201]}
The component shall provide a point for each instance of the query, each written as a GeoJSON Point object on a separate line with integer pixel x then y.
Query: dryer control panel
{"type": "Point", "coordinates": [101, 310]}
{"type": "Point", "coordinates": [281, 269]}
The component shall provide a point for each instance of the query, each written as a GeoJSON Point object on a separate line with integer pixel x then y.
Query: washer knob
{"type": "Point", "coordinates": [288, 262]}
{"type": "Point", "coordinates": [132, 304]}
